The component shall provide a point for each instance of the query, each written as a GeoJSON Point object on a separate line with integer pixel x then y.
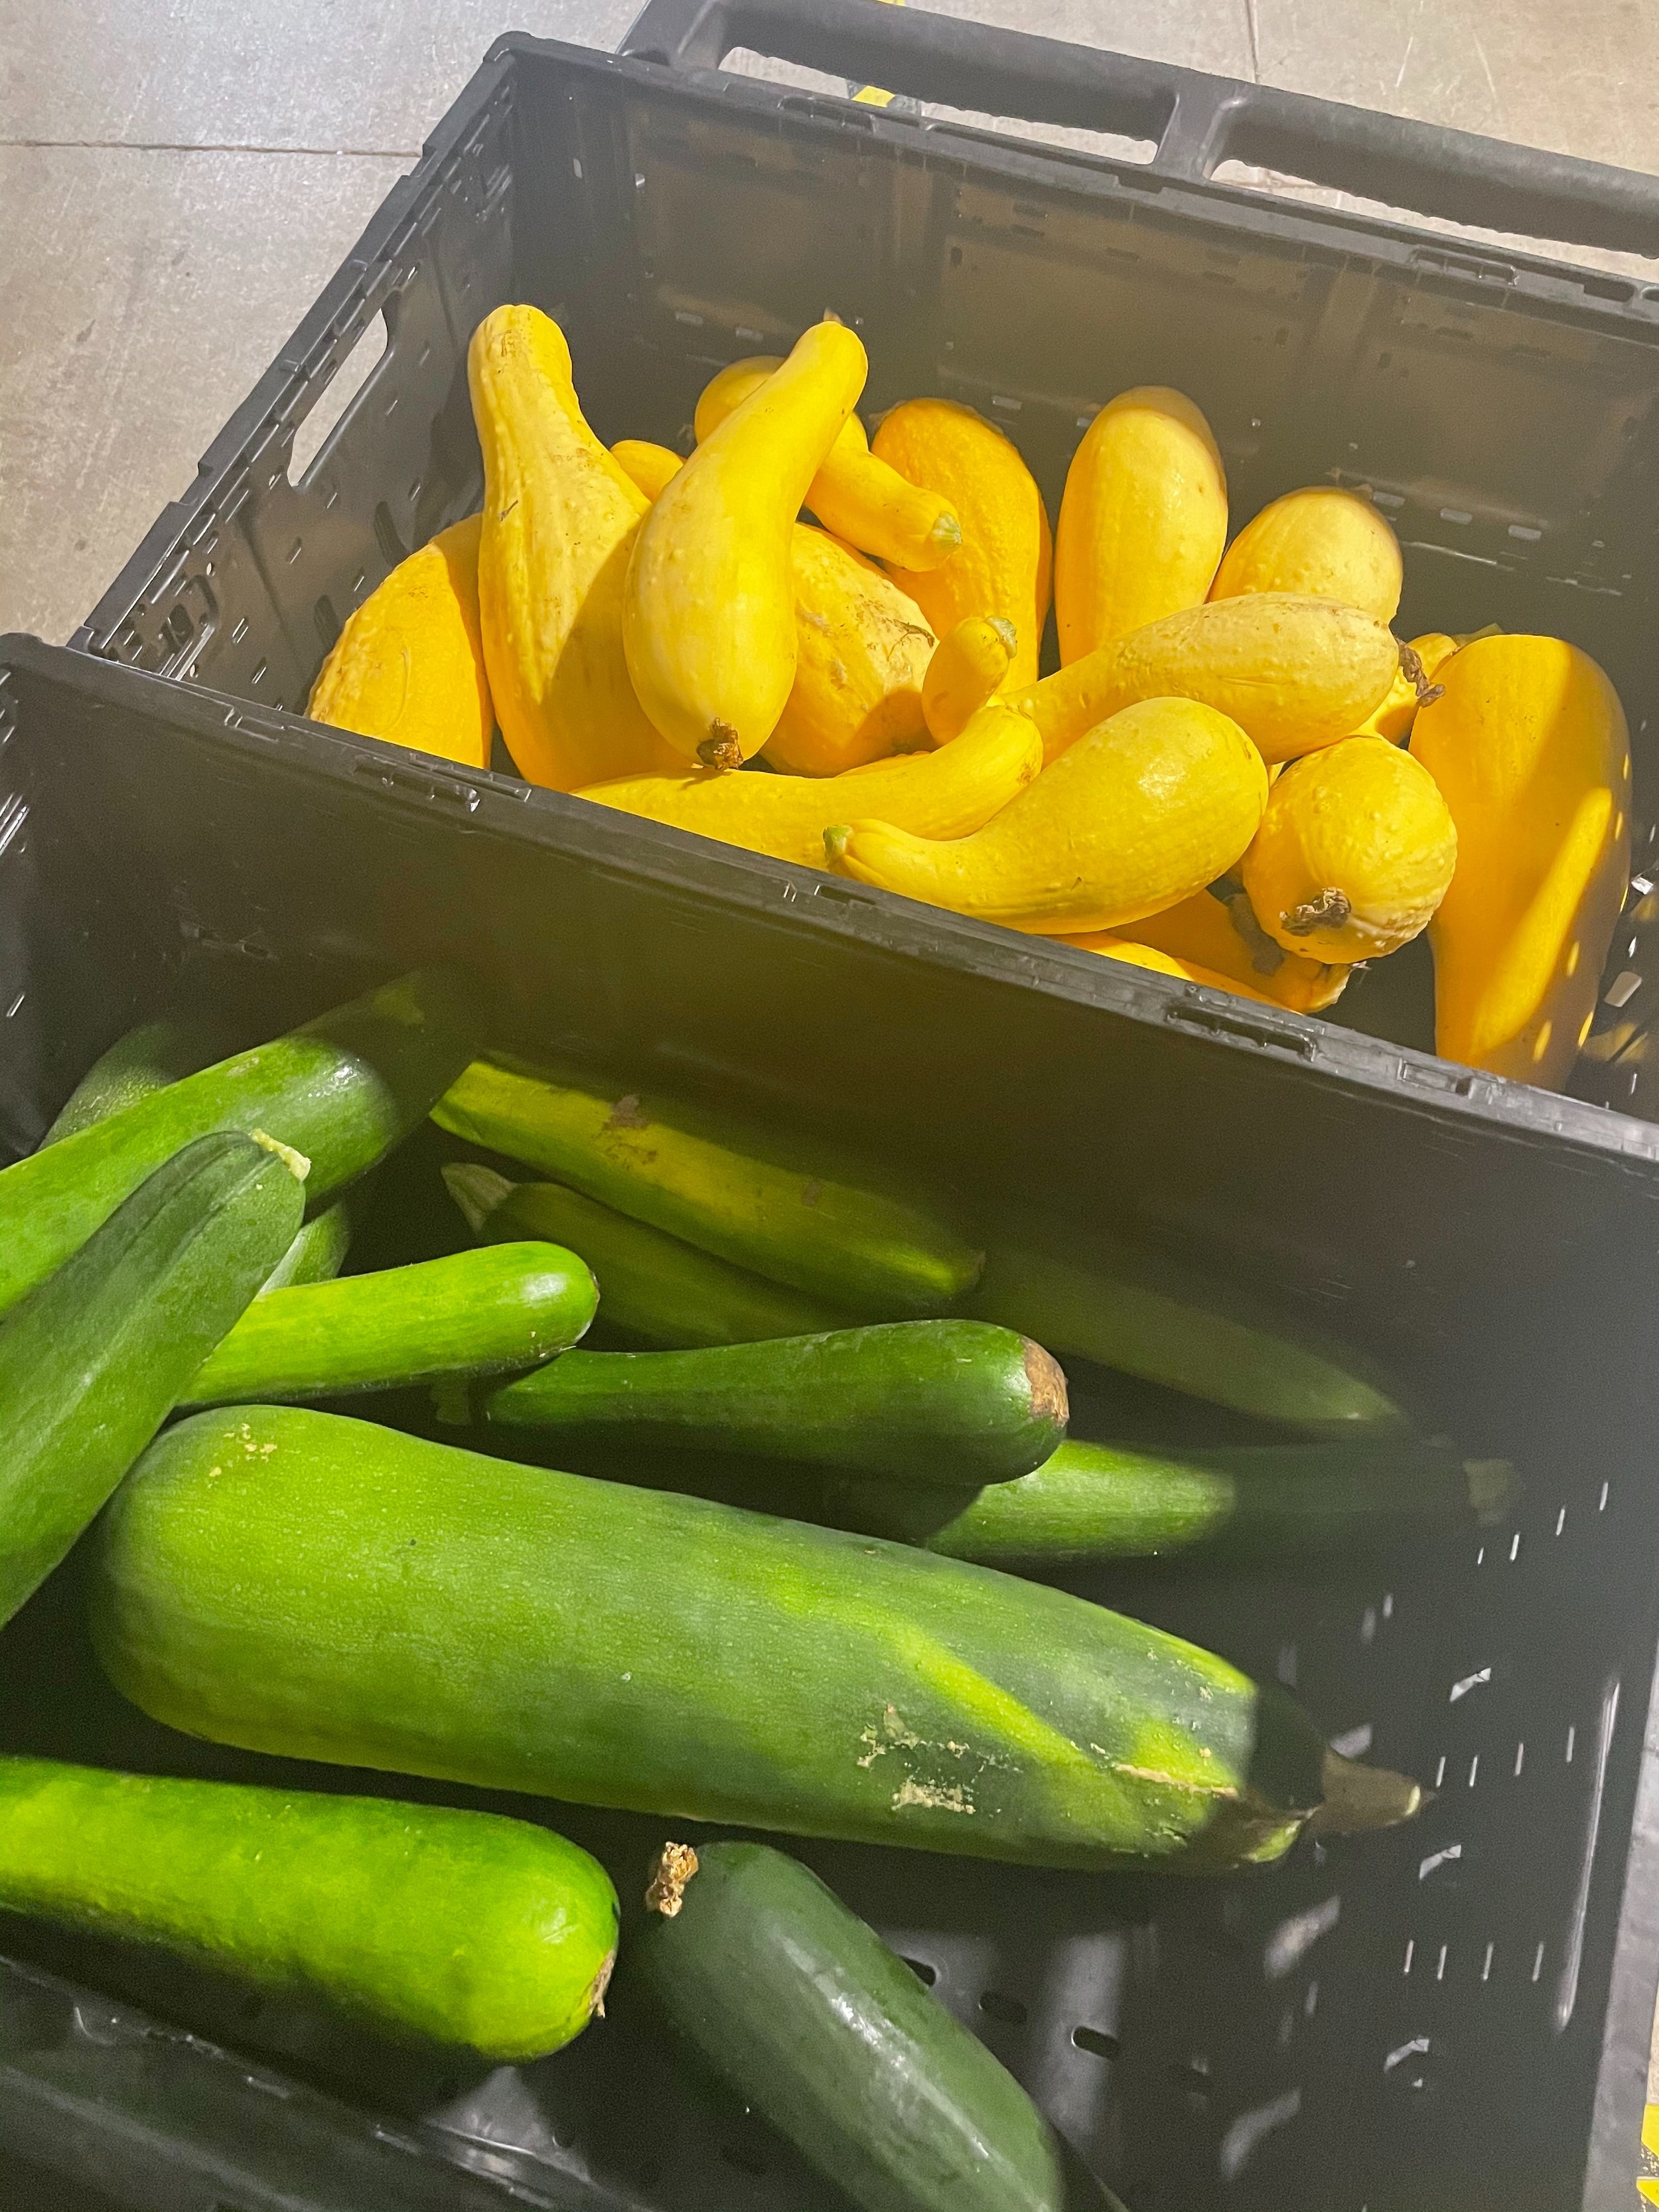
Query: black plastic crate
{"type": "Point", "coordinates": [1456, 2013]}
{"type": "Point", "coordinates": [1500, 406]}
{"type": "Point", "coordinates": [1456, 2017]}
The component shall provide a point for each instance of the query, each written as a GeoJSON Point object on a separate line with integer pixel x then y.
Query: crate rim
{"type": "Point", "coordinates": [1398, 1077]}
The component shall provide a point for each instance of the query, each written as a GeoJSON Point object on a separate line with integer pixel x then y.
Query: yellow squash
{"type": "Point", "coordinates": [1327, 543]}
{"type": "Point", "coordinates": [1528, 745]}
{"type": "Point", "coordinates": [710, 618]}
{"type": "Point", "coordinates": [1144, 520]}
{"type": "Point", "coordinates": [853, 495]}
{"type": "Point", "coordinates": [408, 664]}
{"type": "Point", "coordinates": [862, 651]}
{"type": "Point", "coordinates": [559, 522]}
{"type": "Point", "coordinates": [648, 467]}
{"type": "Point", "coordinates": [1164, 963]}
{"type": "Point", "coordinates": [1224, 937]}
{"type": "Point", "coordinates": [1157, 802]}
{"type": "Point", "coordinates": [1003, 565]}
{"type": "Point", "coordinates": [553, 356]}
{"type": "Point", "coordinates": [1295, 673]}
{"type": "Point", "coordinates": [861, 647]}
{"type": "Point", "coordinates": [969, 665]}
{"type": "Point", "coordinates": [946, 794]}
{"type": "Point", "coordinates": [1354, 854]}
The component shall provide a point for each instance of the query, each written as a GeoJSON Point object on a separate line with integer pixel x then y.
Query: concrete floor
{"type": "Point", "coordinates": [178, 177]}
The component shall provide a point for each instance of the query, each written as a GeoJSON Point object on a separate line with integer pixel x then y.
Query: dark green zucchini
{"type": "Point", "coordinates": [486, 1312]}
{"type": "Point", "coordinates": [92, 1362]}
{"type": "Point", "coordinates": [652, 1285]}
{"type": "Point", "coordinates": [795, 1220]}
{"type": "Point", "coordinates": [762, 1973]}
{"type": "Point", "coordinates": [957, 1402]}
{"type": "Point", "coordinates": [341, 1091]}
{"type": "Point", "coordinates": [148, 1059]}
{"type": "Point", "coordinates": [1114, 1502]}
{"type": "Point", "coordinates": [462, 1928]}
{"type": "Point", "coordinates": [307, 1584]}
{"type": "Point", "coordinates": [1094, 1298]}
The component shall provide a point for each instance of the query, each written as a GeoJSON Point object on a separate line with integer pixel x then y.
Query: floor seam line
{"type": "Point", "coordinates": [179, 146]}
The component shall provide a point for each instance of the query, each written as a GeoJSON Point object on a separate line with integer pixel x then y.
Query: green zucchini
{"type": "Point", "coordinates": [321, 1245]}
{"type": "Point", "coordinates": [717, 1185]}
{"type": "Point", "coordinates": [1114, 1502]}
{"type": "Point", "coordinates": [1166, 1323]}
{"type": "Point", "coordinates": [460, 1927]}
{"type": "Point", "coordinates": [307, 1584]}
{"type": "Point", "coordinates": [92, 1362]}
{"type": "Point", "coordinates": [146, 1058]}
{"type": "Point", "coordinates": [470, 1313]}
{"type": "Point", "coordinates": [652, 1285]}
{"type": "Point", "coordinates": [341, 1092]}
{"type": "Point", "coordinates": [760, 1972]}
{"type": "Point", "coordinates": [159, 1052]}
{"type": "Point", "coordinates": [924, 1401]}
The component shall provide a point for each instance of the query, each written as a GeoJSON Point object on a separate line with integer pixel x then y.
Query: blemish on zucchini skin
{"type": "Point", "coordinates": [951, 1798]}
{"type": "Point", "coordinates": [893, 1735]}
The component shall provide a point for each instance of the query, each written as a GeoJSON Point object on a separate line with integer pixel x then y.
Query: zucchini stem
{"type": "Point", "coordinates": [673, 1867]}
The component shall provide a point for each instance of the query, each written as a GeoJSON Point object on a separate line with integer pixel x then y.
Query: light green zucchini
{"type": "Point", "coordinates": [1093, 1501]}
{"type": "Point", "coordinates": [652, 1285]}
{"type": "Point", "coordinates": [323, 1244]}
{"type": "Point", "coordinates": [302, 1583]}
{"type": "Point", "coordinates": [486, 1312]}
{"type": "Point", "coordinates": [146, 1058]}
{"type": "Point", "coordinates": [160, 1053]}
{"type": "Point", "coordinates": [717, 1184]}
{"type": "Point", "coordinates": [459, 1928]}
{"type": "Point", "coordinates": [1098, 1300]}
{"type": "Point", "coordinates": [341, 1091]}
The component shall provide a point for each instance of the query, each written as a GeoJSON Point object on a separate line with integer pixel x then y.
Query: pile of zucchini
{"type": "Point", "coordinates": [770, 1594]}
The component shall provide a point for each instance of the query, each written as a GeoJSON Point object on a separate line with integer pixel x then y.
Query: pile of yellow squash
{"type": "Point", "coordinates": [1236, 774]}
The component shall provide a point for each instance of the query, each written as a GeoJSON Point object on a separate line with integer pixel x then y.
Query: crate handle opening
{"type": "Point", "coordinates": [328, 407]}
{"type": "Point", "coordinates": [1198, 120]}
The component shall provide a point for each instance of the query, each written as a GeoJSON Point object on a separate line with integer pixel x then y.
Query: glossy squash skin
{"type": "Point", "coordinates": [862, 651]}
{"type": "Point", "coordinates": [857, 496]}
{"type": "Point", "coordinates": [949, 793]}
{"type": "Point", "coordinates": [1223, 935]}
{"type": "Point", "coordinates": [862, 648]}
{"type": "Point", "coordinates": [1144, 520]}
{"type": "Point", "coordinates": [1323, 541]}
{"type": "Point", "coordinates": [1158, 801]}
{"type": "Point", "coordinates": [1354, 854]}
{"type": "Point", "coordinates": [1528, 745]}
{"type": "Point", "coordinates": [971, 664]}
{"type": "Point", "coordinates": [1004, 564]}
{"type": "Point", "coordinates": [559, 522]}
{"type": "Point", "coordinates": [648, 467]}
{"type": "Point", "coordinates": [719, 537]}
{"type": "Point", "coordinates": [409, 666]}
{"type": "Point", "coordinates": [1110, 947]}
{"type": "Point", "coordinates": [1294, 673]}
